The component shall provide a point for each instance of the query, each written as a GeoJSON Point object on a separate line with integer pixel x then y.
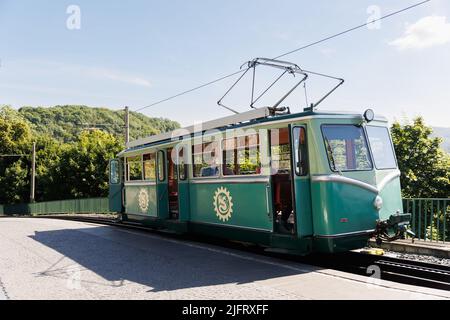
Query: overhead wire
{"type": "Point", "coordinates": [191, 90]}
{"type": "Point", "coordinates": [287, 53]}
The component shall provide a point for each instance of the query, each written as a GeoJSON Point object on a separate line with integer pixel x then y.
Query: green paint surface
{"type": "Point", "coordinates": [248, 203]}
{"type": "Point", "coordinates": [133, 194]}
{"type": "Point", "coordinates": [342, 208]}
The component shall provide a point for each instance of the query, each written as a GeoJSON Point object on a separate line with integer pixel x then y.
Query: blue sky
{"type": "Point", "coordinates": [137, 52]}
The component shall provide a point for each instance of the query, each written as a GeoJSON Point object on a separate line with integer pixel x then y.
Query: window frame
{"type": "Point", "coordinates": [183, 166]}
{"type": "Point", "coordinates": [151, 154]}
{"type": "Point", "coordinates": [161, 157]}
{"type": "Point", "coordinates": [391, 143]}
{"type": "Point", "coordinates": [192, 154]}
{"type": "Point", "coordinates": [289, 143]}
{"type": "Point", "coordinates": [117, 161]}
{"type": "Point", "coordinates": [127, 164]}
{"type": "Point", "coordinates": [222, 149]}
{"type": "Point", "coordinates": [294, 160]}
{"type": "Point", "coordinates": [372, 166]}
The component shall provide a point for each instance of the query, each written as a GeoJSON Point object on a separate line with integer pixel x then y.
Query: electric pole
{"type": "Point", "coordinates": [33, 172]}
{"type": "Point", "coordinates": [127, 125]}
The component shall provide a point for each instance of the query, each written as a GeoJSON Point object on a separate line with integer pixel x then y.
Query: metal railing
{"type": "Point", "coordinates": [430, 218]}
{"type": "Point", "coordinates": [90, 205]}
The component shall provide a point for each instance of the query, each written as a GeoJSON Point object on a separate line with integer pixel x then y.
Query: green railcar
{"type": "Point", "coordinates": [300, 183]}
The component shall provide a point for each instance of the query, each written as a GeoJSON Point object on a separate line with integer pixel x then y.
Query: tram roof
{"type": "Point", "coordinates": [253, 117]}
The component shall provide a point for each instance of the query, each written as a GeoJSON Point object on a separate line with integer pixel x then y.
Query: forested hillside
{"type": "Point", "coordinates": [65, 123]}
{"type": "Point", "coordinates": [73, 147]}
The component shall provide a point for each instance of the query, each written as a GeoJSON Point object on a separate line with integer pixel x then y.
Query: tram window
{"type": "Point", "coordinates": [346, 148]}
{"type": "Point", "coordinates": [134, 167]}
{"type": "Point", "coordinates": [114, 172]}
{"type": "Point", "coordinates": [172, 173]}
{"type": "Point", "coordinates": [280, 151]}
{"type": "Point", "coordinates": [205, 159]}
{"type": "Point", "coordinates": [161, 175]}
{"type": "Point", "coordinates": [241, 156]}
{"type": "Point", "coordinates": [182, 164]}
{"type": "Point", "coordinates": [381, 146]}
{"type": "Point", "coordinates": [149, 166]}
{"type": "Point", "coordinates": [300, 152]}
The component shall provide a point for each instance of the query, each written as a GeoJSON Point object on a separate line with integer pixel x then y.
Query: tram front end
{"type": "Point", "coordinates": [357, 195]}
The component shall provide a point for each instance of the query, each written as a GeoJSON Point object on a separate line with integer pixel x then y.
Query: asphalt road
{"type": "Point", "coordinates": [55, 259]}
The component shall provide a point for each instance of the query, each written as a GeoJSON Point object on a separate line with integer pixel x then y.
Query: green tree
{"type": "Point", "coordinates": [83, 166]}
{"type": "Point", "coordinates": [425, 167]}
{"type": "Point", "coordinates": [71, 162]}
{"type": "Point", "coordinates": [15, 139]}
{"type": "Point", "coordinates": [48, 161]}
{"type": "Point", "coordinates": [65, 123]}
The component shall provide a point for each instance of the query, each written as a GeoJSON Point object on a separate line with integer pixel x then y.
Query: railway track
{"type": "Point", "coordinates": [387, 268]}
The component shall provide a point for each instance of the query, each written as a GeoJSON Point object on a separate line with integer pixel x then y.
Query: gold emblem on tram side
{"type": "Point", "coordinates": [223, 204]}
{"type": "Point", "coordinates": [143, 200]}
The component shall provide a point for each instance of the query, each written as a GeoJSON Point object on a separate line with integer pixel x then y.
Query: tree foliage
{"type": "Point", "coordinates": [65, 123]}
{"type": "Point", "coordinates": [71, 156]}
{"type": "Point", "coordinates": [15, 142]}
{"type": "Point", "coordinates": [424, 166]}
{"type": "Point", "coordinates": [83, 166]}
{"type": "Point", "coordinates": [72, 159]}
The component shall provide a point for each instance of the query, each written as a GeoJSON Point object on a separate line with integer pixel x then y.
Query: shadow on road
{"type": "Point", "coordinates": [163, 264]}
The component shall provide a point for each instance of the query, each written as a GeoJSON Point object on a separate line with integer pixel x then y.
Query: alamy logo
{"type": "Point", "coordinates": [223, 204]}
{"type": "Point", "coordinates": [73, 22]}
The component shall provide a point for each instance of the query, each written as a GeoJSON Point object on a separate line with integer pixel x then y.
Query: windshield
{"type": "Point", "coordinates": [346, 148]}
{"type": "Point", "coordinates": [381, 146]}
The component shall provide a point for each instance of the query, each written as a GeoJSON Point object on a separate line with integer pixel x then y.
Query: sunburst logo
{"type": "Point", "coordinates": [143, 200]}
{"type": "Point", "coordinates": [223, 204]}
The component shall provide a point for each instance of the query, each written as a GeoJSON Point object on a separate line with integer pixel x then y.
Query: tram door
{"type": "Point", "coordinates": [161, 185]}
{"type": "Point", "coordinates": [183, 183]}
{"type": "Point", "coordinates": [172, 184]}
{"type": "Point", "coordinates": [301, 180]}
{"type": "Point", "coordinates": [177, 184]}
{"type": "Point", "coordinates": [116, 185]}
{"type": "Point", "coordinates": [281, 181]}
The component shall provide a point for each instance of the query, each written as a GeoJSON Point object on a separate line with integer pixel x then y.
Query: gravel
{"type": "Point", "coordinates": [417, 257]}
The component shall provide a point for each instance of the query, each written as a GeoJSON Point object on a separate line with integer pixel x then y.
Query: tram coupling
{"type": "Point", "coordinates": [393, 228]}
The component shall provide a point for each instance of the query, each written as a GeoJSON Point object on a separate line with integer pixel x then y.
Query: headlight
{"type": "Point", "coordinates": [369, 115]}
{"type": "Point", "coordinates": [378, 203]}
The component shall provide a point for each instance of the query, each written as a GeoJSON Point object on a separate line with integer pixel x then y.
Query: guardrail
{"type": "Point", "coordinates": [90, 205]}
{"type": "Point", "coordinates": [430, 219]}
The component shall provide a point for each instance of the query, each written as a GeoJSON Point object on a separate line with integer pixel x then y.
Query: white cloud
{"type": "Point", "coordinates": [427, 32]}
